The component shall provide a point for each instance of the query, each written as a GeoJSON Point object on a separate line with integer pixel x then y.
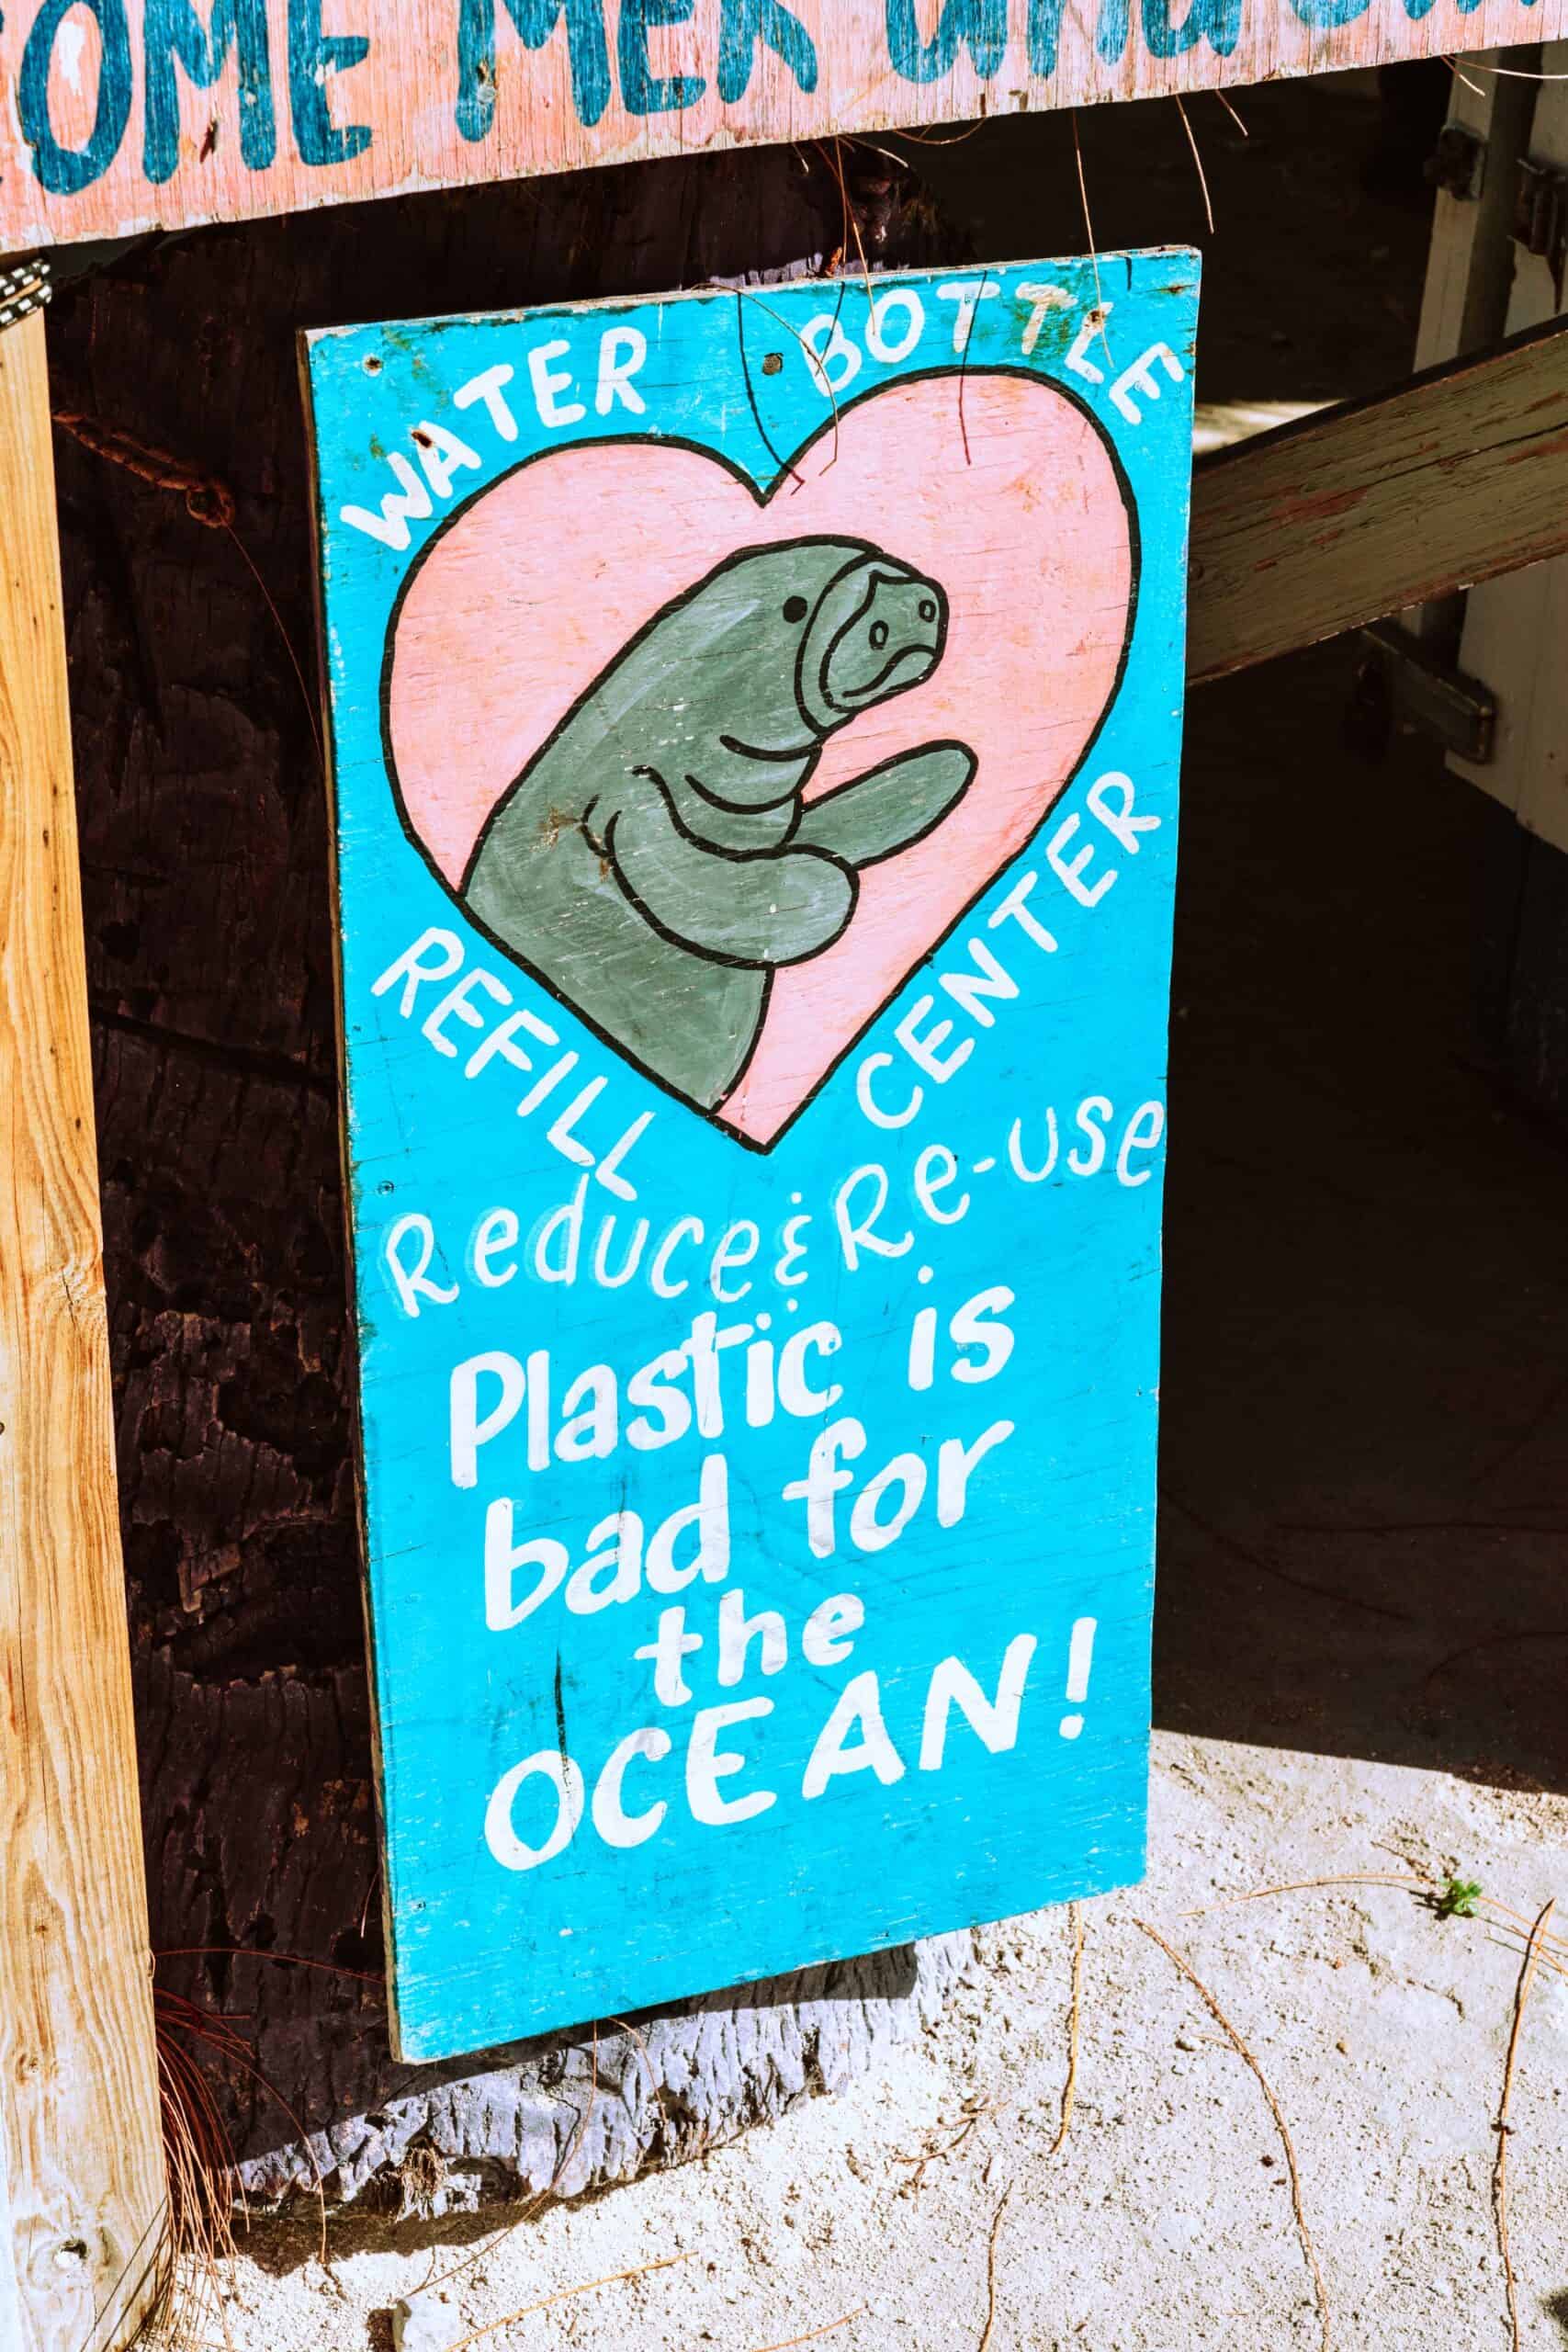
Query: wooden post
{"type": "Point", "coordinates": [1464, 305]}
{"type": "Point", "coordinates": [1514, 628]}
{"type": "Point", "coordinates": [81, 2175]}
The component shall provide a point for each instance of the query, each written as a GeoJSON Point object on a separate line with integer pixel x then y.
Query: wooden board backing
{"type": "Point", "coordinates": [119, 117]}
{"type": "Point", "coordinates": [918, 601]}
{"type": "Point", "coordinates": [80, 2155]}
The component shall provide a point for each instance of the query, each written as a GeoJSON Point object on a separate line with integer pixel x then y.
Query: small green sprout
{"type": "Point", "coordinates": [1458, 1899]}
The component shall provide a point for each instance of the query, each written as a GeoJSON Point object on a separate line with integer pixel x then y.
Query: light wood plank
{"type": "Point", "coordinates": [1469, 262]}
{"type": "Point", "coordinates": [1515, 629]}
{"type": "Point", "coordinates": [1469, 269]}
{"type": "Point", "coordinates": [1459, 476]}
{"type": "Point", "coordinates": [80, 2155]}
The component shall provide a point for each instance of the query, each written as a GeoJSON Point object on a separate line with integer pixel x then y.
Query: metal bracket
{"type": "Point", "coordinates": [24, 288]}
{"type": "Point", "coordinates": [1400, 684]}
{"type": "Point", "coordinates": [1457, 165]}
{"type": "Point", "coordinates": [1540, 215]}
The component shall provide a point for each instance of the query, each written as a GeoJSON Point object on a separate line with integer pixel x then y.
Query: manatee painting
{"type": "Point", "coordinates": [657, 861]}
{"type": "Point", "coordinates": [640, 720]}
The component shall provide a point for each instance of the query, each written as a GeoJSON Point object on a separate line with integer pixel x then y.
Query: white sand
{"type": "Point", "coordinates": [1165, 2221]}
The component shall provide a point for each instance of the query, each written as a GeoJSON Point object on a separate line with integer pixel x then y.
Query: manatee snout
{"type": "Point", "coordinates": [879, 630]}
{"type": "Point", "coordinates": [896, 641]}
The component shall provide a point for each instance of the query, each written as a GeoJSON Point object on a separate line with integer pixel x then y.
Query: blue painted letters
{"type": "Point", "coordinates": [1045, 30]}
{"type": "Point", "coordinates": [65, 171]}
{"type": "Point", "coordinates": [175, 37]}
{"type": "Point", "coordinates": [535, 21]}
{"type": "Point", "coordinates": [1216, 21]}
{"type": "Point", "coordinates": [642, 90]}
{"type": "Point", "coordinates": [312, 55]}
{"type": "Point", "coordinates": [746, 22]}
{"type": "Point", "coordinates": [1322, 16]}
{"type": "Point", "coordinates": [983, 24]}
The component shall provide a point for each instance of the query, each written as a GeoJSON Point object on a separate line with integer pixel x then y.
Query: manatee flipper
{"type": "Point", "coordinates": [759, 907]}
{"type": "Point", "coordinates": [555, 903]}
{"type": "Point", "coordinates": [889, 806]}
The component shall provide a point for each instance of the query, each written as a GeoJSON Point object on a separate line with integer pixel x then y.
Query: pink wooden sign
{"type": "Point", "coordinates": [117, 116]}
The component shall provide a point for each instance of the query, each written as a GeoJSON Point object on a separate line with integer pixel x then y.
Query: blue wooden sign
{"type": "Point", "coordinates": [754, 735]}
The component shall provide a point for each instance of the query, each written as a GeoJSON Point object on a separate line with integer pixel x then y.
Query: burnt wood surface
{"type": "Point", "coordinates": [205, 858]}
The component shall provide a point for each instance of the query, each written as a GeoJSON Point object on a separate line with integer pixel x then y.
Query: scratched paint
{"type": "Point", "coordinates": [122, 115]}
{"type": "Point", "coordinates": [754, 731]}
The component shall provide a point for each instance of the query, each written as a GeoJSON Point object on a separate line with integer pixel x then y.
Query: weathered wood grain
{"type": "Point", "coordinates": [141, 125]}
{"type": "Point", "coordinates": [1461, 475]}
{"type": "Point", "coordinates": [591, 2109]}
{"type": "Point", "coordinates": [81, 2152]}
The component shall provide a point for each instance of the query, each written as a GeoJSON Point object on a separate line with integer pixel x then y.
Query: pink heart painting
{"type": "Point", "coordinates": [991, 497]}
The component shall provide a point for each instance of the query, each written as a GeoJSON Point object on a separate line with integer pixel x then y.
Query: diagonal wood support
{"type": "Point", "coordinates": [1460, 475]}
{"type": "Point", "coordinates": [82, 2176]}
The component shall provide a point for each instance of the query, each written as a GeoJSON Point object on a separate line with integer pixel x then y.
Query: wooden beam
{"type": "Point", "coordinates": [81, 2175]}
{"type": "Point", "coordinates": [1460, 475]}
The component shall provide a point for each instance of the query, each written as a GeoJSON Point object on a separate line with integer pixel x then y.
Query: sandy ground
{"type": "Point", "coordinates": [1164, 2220]}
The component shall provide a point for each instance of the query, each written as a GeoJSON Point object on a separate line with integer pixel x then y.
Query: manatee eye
{"type": "Point", "coordinates": [928, 608]}
{"type": "Point", "coordinates": [795, 608]}
{"type": "Point", "coordinates": [878, 635]}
